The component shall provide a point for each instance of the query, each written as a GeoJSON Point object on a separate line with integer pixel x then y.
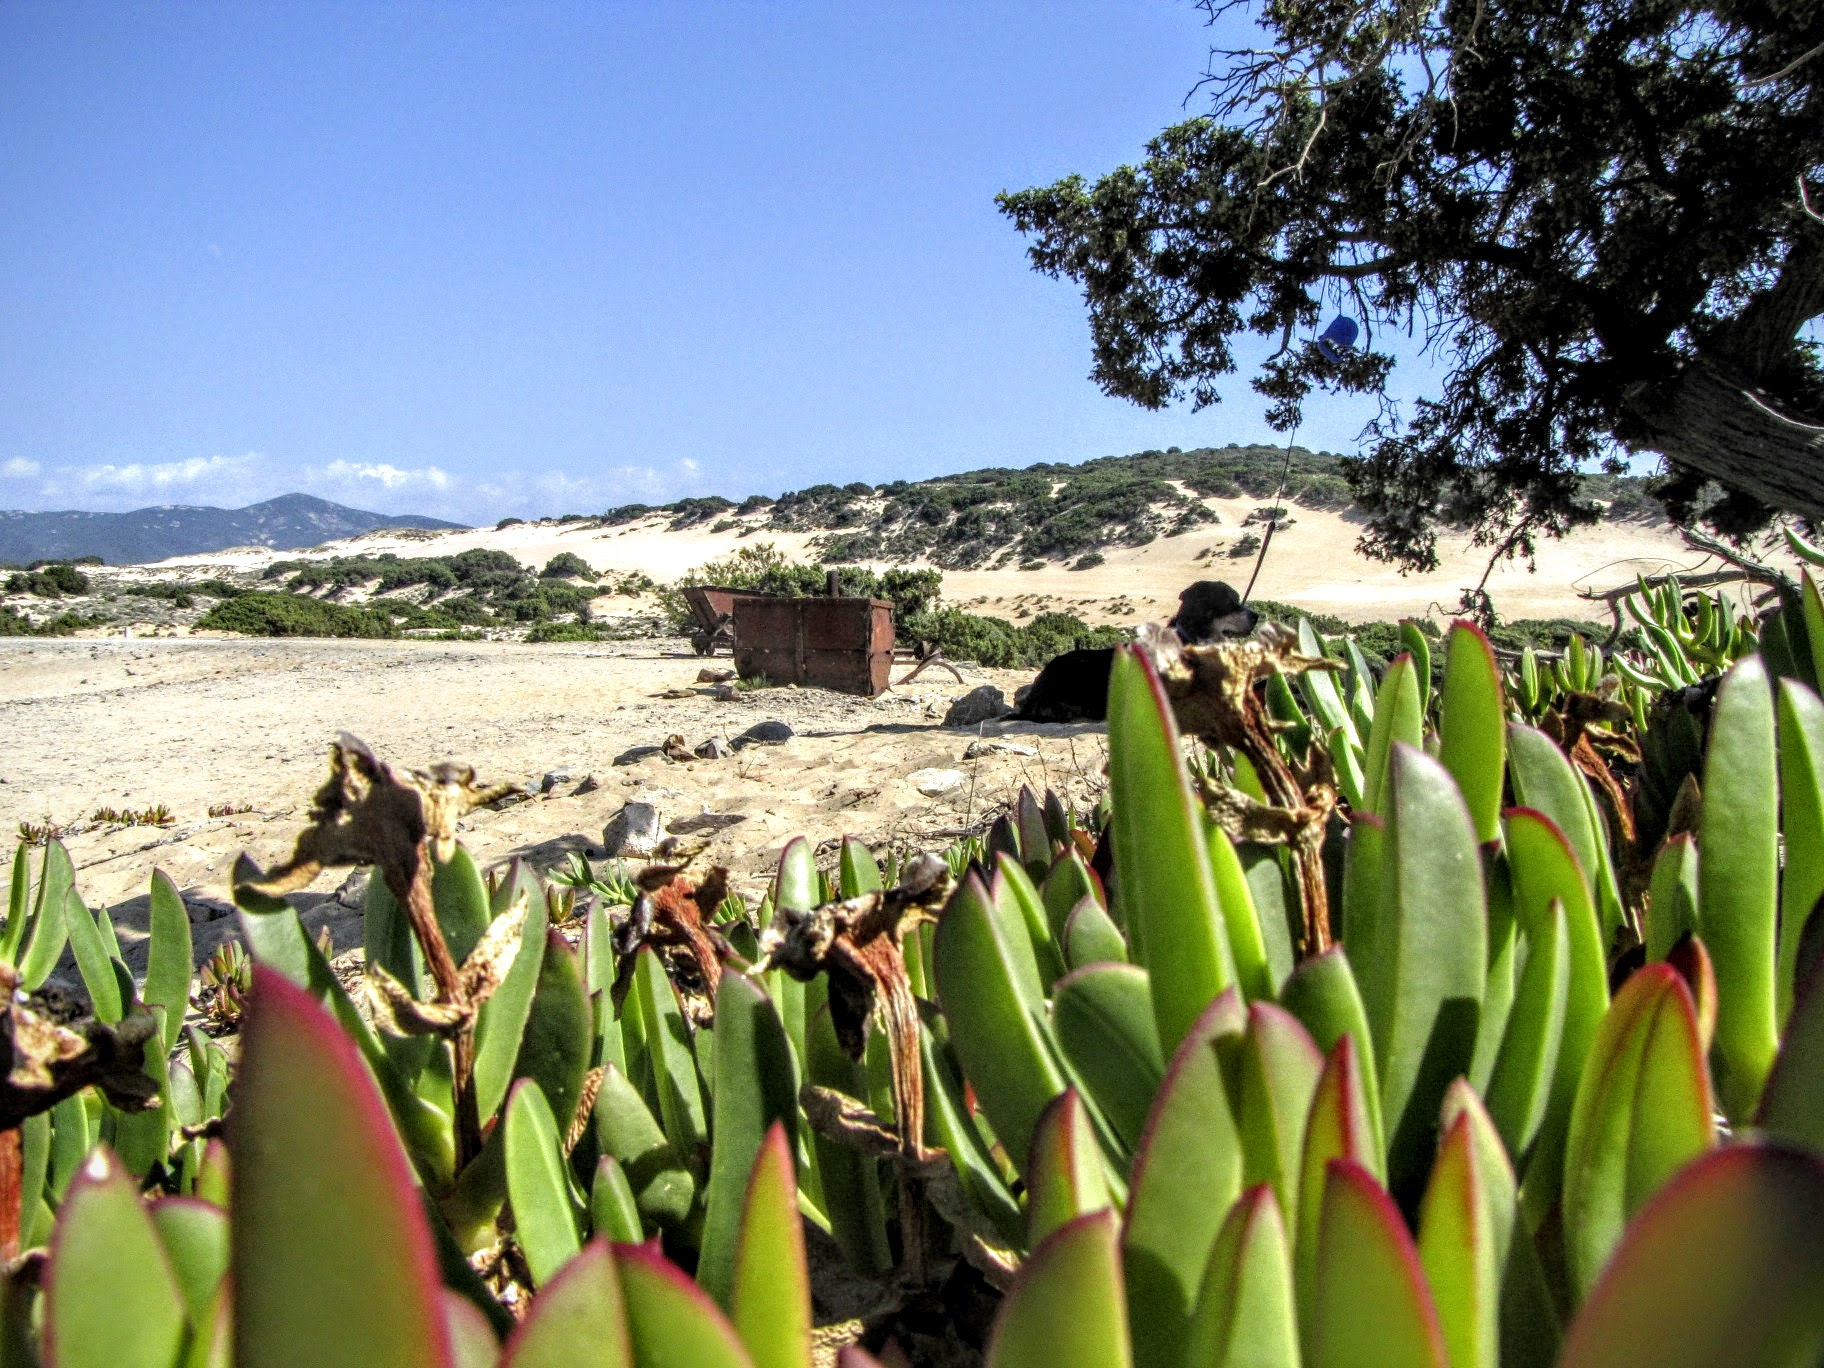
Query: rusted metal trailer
{"type": "Point", "coordinates": [844, 644]}
{"type": "Point", "coordinates": [713, 607]}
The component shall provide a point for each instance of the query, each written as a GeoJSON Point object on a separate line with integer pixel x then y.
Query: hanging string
{"type": "Point", "coordinates": [1285, 471]}
{"type": "Point", "coordinates": [1334, 342]}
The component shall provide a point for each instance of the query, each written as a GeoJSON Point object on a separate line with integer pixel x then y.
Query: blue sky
{"type": "Point", "coordinates": [477, 260]}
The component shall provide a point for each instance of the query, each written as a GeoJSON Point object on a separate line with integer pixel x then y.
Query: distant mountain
{"type": "Point", "coordinates": [286, 523]}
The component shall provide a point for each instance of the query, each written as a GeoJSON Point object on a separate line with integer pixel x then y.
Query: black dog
{"type": "Point", "coordinates": [1074, 686]}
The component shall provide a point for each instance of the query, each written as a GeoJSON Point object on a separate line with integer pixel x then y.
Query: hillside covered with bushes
{"type": "Point", "coordinates": [1052, 511]}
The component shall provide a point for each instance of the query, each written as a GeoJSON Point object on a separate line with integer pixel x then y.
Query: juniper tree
{"type": "Point", "coordinates": [1603, 217]}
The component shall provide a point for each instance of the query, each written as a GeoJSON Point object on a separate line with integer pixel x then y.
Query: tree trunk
{"type": "Point", "coordinates": [1717, 427]}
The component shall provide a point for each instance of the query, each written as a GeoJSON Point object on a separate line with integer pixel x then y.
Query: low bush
{"type": "Point", "coordinates": [52, 580]}
{"type": "Point", "coordinates": [282, 615]}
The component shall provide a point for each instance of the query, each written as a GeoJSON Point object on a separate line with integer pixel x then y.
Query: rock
{"type": "Point", "coordinates": [935, 783]}
{"type": "Point", "coordinates": [710, 675]}
{"type": "Point", "coordinates": [986, 747]}
{"type": "Point", "coordinates": [353, 892]}
{"type": "Point", "coordinates": [716, 748]}
{"type": "Point", "coordinates": [981, 704]}
{"type": "Point", "coordinates": [703, 821]}
{"type": "Point", "coordinates": [553, 778]}
{"type": "Point", "coordinates": [589, 785]}
{"type": "Point", "coordinates": [634, 754]}
{"type": "Point", "coordinates": [201, 908]}
{"type": "Point", "coordinates": [725, 693]}
{"type": "Point", "coordinates": [677, 748]}
{"type": "Point", "coordinates": [634, 830]}
{"type": "Point", "coordinates": [764, 734]}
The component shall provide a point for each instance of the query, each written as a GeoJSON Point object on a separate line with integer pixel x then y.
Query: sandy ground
{"type": "Point", "coordinates": [1312, 562]}
{"type": "Point", "coordinates": [194, 723]}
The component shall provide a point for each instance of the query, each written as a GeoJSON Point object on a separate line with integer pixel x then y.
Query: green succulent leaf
{"type": "Point", "coordinates": [1792, 1107]}
{"type": "Point", "coordinates": [1544, 870]}
{"type": "Point", "coordinates": [1102, 1017]}
{"type": "Point", "coordinates": [947, 1115]}
{"type": "Point", "coordinates": [92, 960]}
{"type": "Point", "coordinates": [1167, 891]}
{"type": "Point", "coordinates": [851, 1180]}
{"type": "Point", "coordinates": [1186, 1172]}
{"type": "Point", "coordinates": [168, 956]}
{"type": "Point", "coordinates": [48, 931]}
{"type": "Point", "coordinates": [538, 1184]}
{"type": "Point", "coordinates": [625, 1129]}
{"type": "Point", "coordinates": [998, 1033]}
{"type": "Point", "coordinates": [614, 1212]}
{"type": "Point", "coordinates": [1672, 897]}
{"type": "Point", "coordinates": [1370, 1288]}
{"type": "Point", "coordinates": [1642, 1111]}
{"type": "Point", "coordinates": [1801, 730]}
{"type": "Point", "coordinates": [500, 1026]}
{"type": "Point", "coordinates": [1399, 717]}
{"type": "Point", "coordinates": [1421, 958]}
{"type": "Point", "coordinates": [1277, 1068]}
{"type": "Point", "coordinates": [668, 1047]}
{"type": "Point", "coordinates": [1020, 905]}
{"type": "Point", "coordinates": [1520, 1086]}
{"type": "Point", "coordinates": [1090, 936]}
{"type": "Point", "coordinates": [1724, 1265]}
{"type": "Point", "coordinates": [1065, 1175]}
{"type": "Point", "coordinates": [108, 1270]}
{"type": "Point", "coordinates": [1322, 994]}
{"type": "Point", "coordinates": [1738, 880]}
{"type": "Point", "coordinates": [325, 1212]}
{"type": "Point", "coordinates": [795, 885]}
{"type": "Point", "coordinates": [577, 1319]}
{"type": "Point", "coordinates": [1246, 1311]}
{"type": "Point", "coordinates": [1066, 1309]}
{"type": "Point", "coordinates": [1338, 1128]}
{"type": "Point", "coordinates": [1067, 884]}
{"type": "Point", "coordinates": [772, 1286]}
{"type": "Point", "coordinates": [554, 1045]}
{"type": "Point", "coordinates": [1545, 780]}
{"type": "Point", "coordinates": [756, 1088]}
{"type": "Point", "coordinates": [195, 1236]}
{"type": "Point", "coordinates": [1253, 948]}
{"type": "Point", "coordinates": [670, 1322]}
{"type": "Point", "coordinates": [1472, 726]}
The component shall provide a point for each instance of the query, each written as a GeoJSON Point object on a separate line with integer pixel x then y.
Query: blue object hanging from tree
{"type": "Point", "coordinates": [1338, 338]}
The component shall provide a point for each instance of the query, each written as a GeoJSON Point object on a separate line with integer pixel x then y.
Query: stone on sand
{"type": "Point", "coordinates": [981, 704]}
{"type": "Point", "coordinates": [634, 830]}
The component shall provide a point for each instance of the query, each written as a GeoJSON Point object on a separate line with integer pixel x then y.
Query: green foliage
{"type": "Point", "coordinates": [1434, 1139]}
{"type": "Point", "coordinates": [1646, 152]}
{"type": "Point", "coordinates": [567, 564]}
{"type": "Point", "coordinates": [269, 614]}
{"type": "Point", "coordinates": [1000, 644]}
{"type": "Point", "coordinates": [50, 579]}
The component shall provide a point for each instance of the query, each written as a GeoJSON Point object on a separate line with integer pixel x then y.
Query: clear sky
{"type": "Point", "coordinates": [479, 260]}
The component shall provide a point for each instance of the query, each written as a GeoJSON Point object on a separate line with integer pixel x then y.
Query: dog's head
{"type": "Point", "coordinates": [1209, 611]}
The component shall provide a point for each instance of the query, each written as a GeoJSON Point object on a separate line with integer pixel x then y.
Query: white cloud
{"type": "Point", "coordinates": [151, 476]}
{"type": "Point", "coordinates": [18, 468]}
{"type": "Point", "coordinates": [390, 476]}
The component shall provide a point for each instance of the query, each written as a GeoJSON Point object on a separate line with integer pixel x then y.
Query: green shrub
{"type": "Point", "coordinates": [52, 579]}
{"type": "Point", "coordinates": [570, 631]}
{"type": "Point", "coordinates": [282, 615]}
{"type": "Point", "coordinates": [999, 644]}
{"type": "Point", "coordinates": [567, 564]}
{"type": "Point", "coordinates": [1089, 561]}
